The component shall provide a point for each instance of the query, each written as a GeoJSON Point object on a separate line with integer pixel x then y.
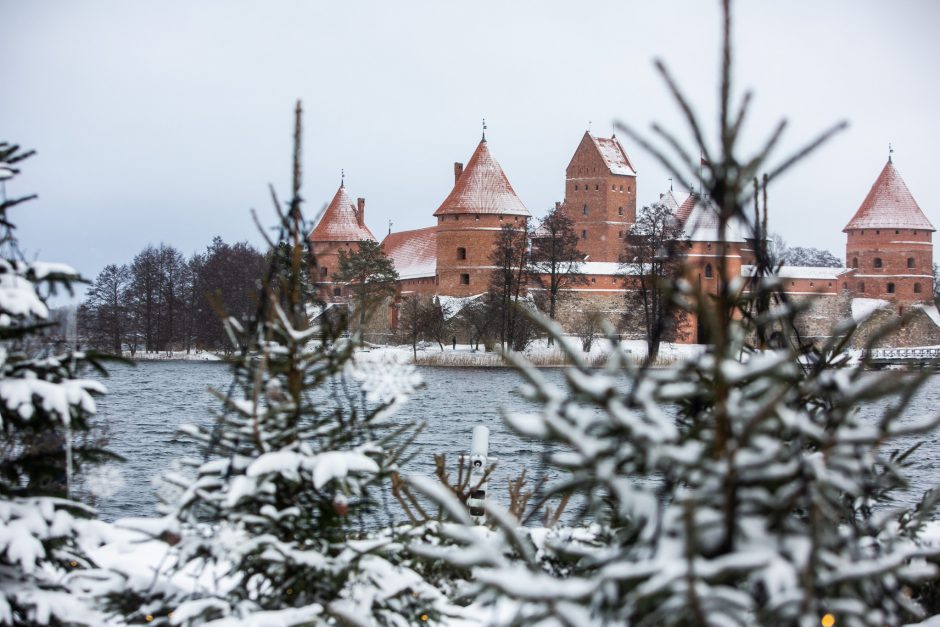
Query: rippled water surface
{"type": "Point", "coordinates": [147, 403]}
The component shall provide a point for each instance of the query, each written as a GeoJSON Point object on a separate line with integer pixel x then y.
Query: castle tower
{"type": "Point", "coordinates": [600, 196]}
{"type": "Point", "coordinates": [341, 227]}
{"type": "Point", "coordinates": [889, 243]}
{"type": "Point", "coordinates": [469, 221]}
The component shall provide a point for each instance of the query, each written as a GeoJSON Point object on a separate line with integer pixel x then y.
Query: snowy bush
{"type": "Point", "coordinates": [43, 402]}
{"type": "Point", "coordinates": [280, 522]}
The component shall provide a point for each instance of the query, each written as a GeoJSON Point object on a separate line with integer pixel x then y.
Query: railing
{"type": "Point", "coordinates": [901, 355]}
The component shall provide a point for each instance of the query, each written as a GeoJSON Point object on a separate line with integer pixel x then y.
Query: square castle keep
{"type": "Point", "coordinates": [889, 244]}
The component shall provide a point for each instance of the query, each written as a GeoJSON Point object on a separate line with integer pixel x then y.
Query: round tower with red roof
{"type": "Point", "coordinates": [341, 227]}
{"type": "Point", "coordinates": [469, 222]}
{"type": "Point", "coordinates": [889, 243]}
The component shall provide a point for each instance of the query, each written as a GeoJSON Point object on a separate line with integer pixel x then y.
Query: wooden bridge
{"type": "Point", "coordinates": [910, 357]}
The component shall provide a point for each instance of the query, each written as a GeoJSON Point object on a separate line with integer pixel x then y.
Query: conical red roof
{"type": "Point", "coordinates": [889, 205]}
{"type": "Point", "coordinates": [482, 188]}
{"type": "Point", "coordinates": [340, 221]}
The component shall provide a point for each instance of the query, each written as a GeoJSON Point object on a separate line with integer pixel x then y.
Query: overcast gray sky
{"type": "Point", "coordinates": [164, 121]}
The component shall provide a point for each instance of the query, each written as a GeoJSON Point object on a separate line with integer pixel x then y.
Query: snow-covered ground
{"type": "Point", "coordinates": [538, 353]}
{"type": "Point", "coordinates": [195, 355]}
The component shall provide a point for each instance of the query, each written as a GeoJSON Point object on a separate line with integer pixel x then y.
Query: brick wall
{"type": "Point", "coordinates": [883, 259]}
{"type": "Point", "coordinates": [471, 236]}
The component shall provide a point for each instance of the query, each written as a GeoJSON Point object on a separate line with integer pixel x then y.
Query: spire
{"type": "Point", "coordinates": [342, 178]}
{"type": "Point", "coordinates": [484, 130]}
{"type": "Point", "coordinates": [890, 152]}
{"type": "Point", "coordinates": [342, 221]}
{"type": "Point", "coordinates": [482, 188]}
{"type": "Point", "coordinates": [889, 205]}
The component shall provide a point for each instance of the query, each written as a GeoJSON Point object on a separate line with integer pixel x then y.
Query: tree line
{"type": "Point", "coordinates": [163, 301]}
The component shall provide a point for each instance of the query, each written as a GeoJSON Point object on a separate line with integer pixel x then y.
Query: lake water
{"type": "Point", "coordinates": [147, 403]}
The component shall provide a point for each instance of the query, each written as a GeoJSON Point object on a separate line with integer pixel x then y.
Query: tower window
{"type": "Point", "coordinates": [620, 234]}
{"type": "Point", "coordinates": [861, 287]}
{"type": "Point", "coordinates": [478, 216]}
{"type": "Point", "coordinates": [621, 188]}
{"type": "Point", "coordinates": [917, 288]}
{"type": "Point", "coordinates": [628, 188]}
{"type": "Point", "coordinates": [324, 272]}
{"type": "Point", "coordinates": [465, 279]}
{"type": "Point", "coordinates": [596, 186]}
{"type": "Point", "coordinates": [461, 253]}
{"type": "Point", "coordinates": [593, 279]}
{"type": "Point", "coordinates": [337, 291]}
{"type": "Point", "coordinates": [584, 234]}
{"type": "Point", "coordinates": [585, 210]}
{"type": "Point", "coordinates": [897, 232]}
{"type": "Point", "coordinates": [708, 270]}
{"type": "Point", "coordinates": [878, 263]}
{"type": "Point", "coordinates": [877, 231]}
{"type": "Point", "coordinates": [910, 262]}
{"type": "Point", "coordinates": [613, 188]}
{"type": "Point", "coordinates": [576, 187]}
{"type": "Point", "coordinates": [854, 262]}
{"type": "Point", "coordinates": [890, 289]}
{"type": "Point", "coordinates": [619, 211]}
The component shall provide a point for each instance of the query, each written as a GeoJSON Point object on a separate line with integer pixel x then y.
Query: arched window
{"type": "Point", "coordinates": [619, 211]}
{"type": "Point", "coordinates": [890, 288]}
{"type": "Point", "coordinates": [708, 270]}
{"type": "Point", "coordinates": [854, 262]}
{"type": "Point", "coordinates": [585, 210]}
{"type": "Point", "coordinates": [461, 253]}
{"type": "Point", "coordinates": [324, 272]}
{"type": "Point", "coordinates": [878, 262]}
{"type": "Point", "coordinates": [621, 188]}
{"type": "Point", "coordinates": [917, 288]}
{"type": "Point", "coordinates": [584, 234]}
{"type": "Point", "coordinates": [910, 262]}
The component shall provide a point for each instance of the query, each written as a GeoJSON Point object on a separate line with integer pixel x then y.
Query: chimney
{"type": "Point", "coordinates": [458, 171]}
{"type": "Point", "coordinates": [361, 214]}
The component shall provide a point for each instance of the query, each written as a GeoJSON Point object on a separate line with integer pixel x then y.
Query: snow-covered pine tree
{"type": "Point", "coordinates": [741, 487]}
{"type": "Point", "coordinates": [43, 402]}
{"type": "Point", "coordinates": [278, 514]}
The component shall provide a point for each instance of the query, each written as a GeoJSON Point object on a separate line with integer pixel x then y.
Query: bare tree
{"type": "Point", "coordinates": [555, 261]}
{"type": "Point", "coordinates": [411, 319]}
{"type": "Point", "coordinates": [510, 261]}
{"type": "Point", "coordinates": [437, 321]}
{"type": "Point", "coordinates": [653, 257]}
{"type": "Point", "coordinates": [588, 325]}
{"type": "Point", "coordinates": [104, 313]}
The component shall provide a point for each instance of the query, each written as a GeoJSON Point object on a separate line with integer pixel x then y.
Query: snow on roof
{"type": "Point", "coordinates": [701, 224]}
{"type": "Point", "coordinates": [864, 307]}
{"type": "Point", "coordinates": [686, 207]}
{"type": "Point", "coordinates": [614, 156]}
{"type": "Point", "coordinates": [414, 253]}
{"type": "Point", "coordinates": [931, 311]}
{"type": "Point", "coordinates": [889, 205]}
{"type": "Point", "coordinates": [340, 222]}
{"type": "Point", "coordinates": [802, 272]}
{"type": "Point", "coordinates": [674, 201]}
{"type": "Point", "coordinates": [482, 188]}
{"type": "Point", "coordinates": [600, 267]}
